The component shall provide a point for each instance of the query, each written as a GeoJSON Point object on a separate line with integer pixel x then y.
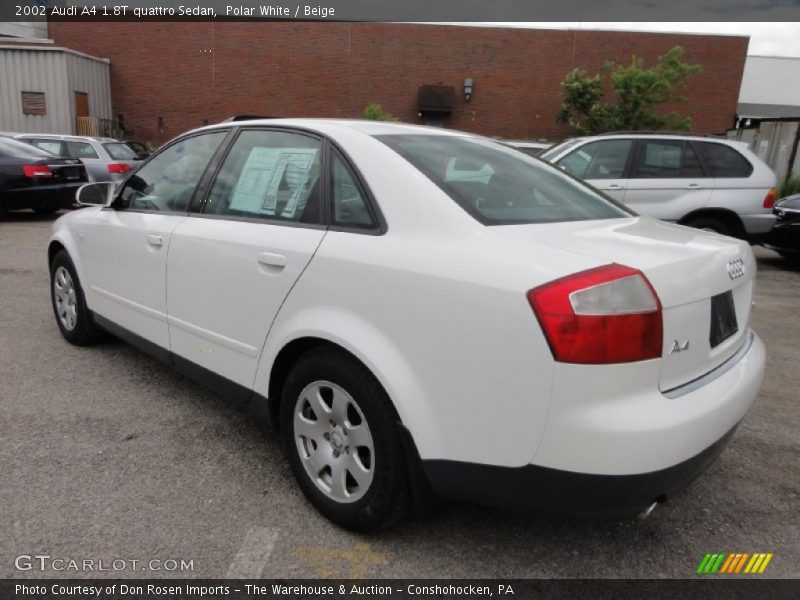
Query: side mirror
{"type": "Point", "coordinates": [96, 194]}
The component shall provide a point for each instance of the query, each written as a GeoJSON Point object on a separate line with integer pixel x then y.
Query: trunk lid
{"type": "Point", "coordinates": [687, 268]}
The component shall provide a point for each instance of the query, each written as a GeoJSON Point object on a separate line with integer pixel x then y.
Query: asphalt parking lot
{"type": "Point", "coordinates": [107, 454]}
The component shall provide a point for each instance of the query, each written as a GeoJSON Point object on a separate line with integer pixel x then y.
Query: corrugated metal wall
{"type": "Point", "coordinates": [58, 74]}
{"type": "Point", "coordinates": [773, 142]}
{"type": "Point", "coordinates": [91, 77]}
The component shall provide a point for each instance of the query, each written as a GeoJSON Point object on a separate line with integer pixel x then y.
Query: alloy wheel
{"type": "Point", "coordinates": [334, 441]}
{"type": "Point", "coordinates": [65, 298]}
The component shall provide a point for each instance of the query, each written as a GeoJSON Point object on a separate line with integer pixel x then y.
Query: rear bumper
{"type": "Point", "coordinates": [758, 224]}
{"type": "Point", "coordinates": [61, 196]}
{"type": "Point", "coordinates": [610, 450]}
{"type": "Point", "coordinates": [540, 489]}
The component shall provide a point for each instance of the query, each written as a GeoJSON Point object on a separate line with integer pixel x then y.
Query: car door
{"type": "Point", "coordinates": [124, 247]}
{"type": "Point", "coordinates": [234, 260]}
{"type": "Point", "coordinates": [667, 180]}
{"type": "Point", "coordinates": [602, 164]}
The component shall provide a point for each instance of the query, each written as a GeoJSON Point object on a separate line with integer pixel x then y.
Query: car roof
{"type": "Point", "coordinates": [58, 136]}
{"type": "Point", "coordinates": [526, 143]}
{"type": "Point", "coordinates": [655, 135]}
{"type": "Point", "coordinates": [325, 126]}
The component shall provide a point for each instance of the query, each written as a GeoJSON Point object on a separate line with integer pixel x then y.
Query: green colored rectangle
{"type": "Point", "coordinates": [718, 564]}
{"type": "Point", "coordinates": [703, 563]}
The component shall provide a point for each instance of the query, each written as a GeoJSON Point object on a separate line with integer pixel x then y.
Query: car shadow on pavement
{"type": "Point", "coordinates": [29, 216]}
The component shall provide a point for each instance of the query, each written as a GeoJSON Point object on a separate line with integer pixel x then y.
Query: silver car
{"type": "Point", "coordinates": [703, 182]}
{"type": "Point", "coordinates": [106, 159]}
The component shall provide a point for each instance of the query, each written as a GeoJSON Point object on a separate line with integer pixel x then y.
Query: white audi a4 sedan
{"type": "Point", "coordinates": [422, 313]}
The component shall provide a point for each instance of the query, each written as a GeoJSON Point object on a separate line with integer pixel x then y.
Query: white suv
{"type": "Point", "coordinates": [702, 182]}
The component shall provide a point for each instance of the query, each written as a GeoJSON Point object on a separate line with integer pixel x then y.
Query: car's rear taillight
{"type": "Point", "coordinates": [34, 171]}
{"type": "Point", "coordinates": [610, 314]}
{"type": "Point", "coordinates": [118, 168]}
{"type": "Point", "coordinates": [769, 199]}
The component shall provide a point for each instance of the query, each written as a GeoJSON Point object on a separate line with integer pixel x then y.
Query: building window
{"type": "Point", "coordinates": [33, 103]}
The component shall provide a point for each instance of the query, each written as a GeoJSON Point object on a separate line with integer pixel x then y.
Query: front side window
{"type": "Point", "coordinates": [724, 161]}
{"type": "Point", "coordinates": [81, 150]}
{"type": "Point", "coordinates": [598, 160]}
{"type": "Point", "coordinates": [168, 181]}
{"type": "Point", "coordinates": [271, 175]}
{"type": "Point", "coordinates": [500, 186]}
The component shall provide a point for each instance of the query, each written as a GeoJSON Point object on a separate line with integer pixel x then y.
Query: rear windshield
{"type": "Point", "coordinates": [119, 151]}
{"type": "Point", "coordinates": [9, 147]}
{"type": "Point", "coordinates": [498, 185]}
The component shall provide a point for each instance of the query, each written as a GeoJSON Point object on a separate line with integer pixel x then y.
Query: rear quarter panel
{"type": "Point", "coordinates": [444, 326]}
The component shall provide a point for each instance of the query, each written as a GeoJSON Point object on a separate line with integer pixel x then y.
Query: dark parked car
{"type": "Point", "coordinates": [785, 235]}
{"type": "Point", "coordinates": [33, 178]}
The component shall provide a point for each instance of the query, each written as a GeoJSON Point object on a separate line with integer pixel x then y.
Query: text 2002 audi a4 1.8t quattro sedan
{"type": "Point", "coordinates": [420, 309]}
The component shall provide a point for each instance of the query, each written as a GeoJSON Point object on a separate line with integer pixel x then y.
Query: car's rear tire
{"type": "Point", "coordinates": [341, 435]}
{"type": "Point", "coordinates": [710, 224]}
{"type": "Point", "coordinates": [73, 317]}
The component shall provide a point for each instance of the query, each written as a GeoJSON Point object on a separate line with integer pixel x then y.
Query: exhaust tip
{"type": "Point", "coordinates": [648, 511]}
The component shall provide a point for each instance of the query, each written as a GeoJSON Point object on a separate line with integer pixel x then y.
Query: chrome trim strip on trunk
{"type": "Point", "coordinates": [714, 373]}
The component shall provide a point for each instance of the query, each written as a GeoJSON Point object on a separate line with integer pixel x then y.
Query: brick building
{"type": "Point", "coordinates": [170, 77]}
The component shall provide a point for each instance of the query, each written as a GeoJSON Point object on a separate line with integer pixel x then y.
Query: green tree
{"type": "Point", "coordinates": [638, 92]}
{"type": "Point", "coordinates": [374, 112]}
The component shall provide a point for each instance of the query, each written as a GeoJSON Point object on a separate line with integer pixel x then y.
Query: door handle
{"type": "Point", "coordinates": [614, 186]}
{"type": "Point", "coordinates": [270, 259]}
{"type": "Point", "coordinates": [694, 186]}
{"type": "Point", "coordinates": [155, 240]}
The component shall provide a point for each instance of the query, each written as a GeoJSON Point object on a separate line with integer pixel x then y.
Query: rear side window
{"type": "Point", "coordinates": [691, 164]}
{"type": "Point", "coordinates": [272, 175]}
{"type": "Point", "coordinates": [598, 160]}
{"type": "Point", "coordinates": [14, 148]}
{"type": "Point", "coordinates": [498, 185]}
{"type": "Point", "coordinates": [120, 151]}
{"type": "Point", "coordinates": [350, 209]}
{"type": "Point", "coordinates": [50, 146]}
{"type": "Point", "coordinates": [665, 159]}
{"type": "Point", "coordinates": [724, 161]}
{"type": "Point", "coordinates": [81, 150]}
{"type": "Point", "coordinates": [657, 159]}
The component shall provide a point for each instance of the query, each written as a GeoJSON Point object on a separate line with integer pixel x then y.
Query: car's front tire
{"type": "Point", "coordinates": [341, 434]}
{"type": "Point", "coordinates": [73, 317]}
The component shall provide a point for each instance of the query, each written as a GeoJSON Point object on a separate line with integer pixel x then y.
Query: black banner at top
{"type": "Point", "coordinates": [403, 10]}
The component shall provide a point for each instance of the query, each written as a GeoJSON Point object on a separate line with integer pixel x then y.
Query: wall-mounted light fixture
{"type": "Point", "coordinates": [467, 88]}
